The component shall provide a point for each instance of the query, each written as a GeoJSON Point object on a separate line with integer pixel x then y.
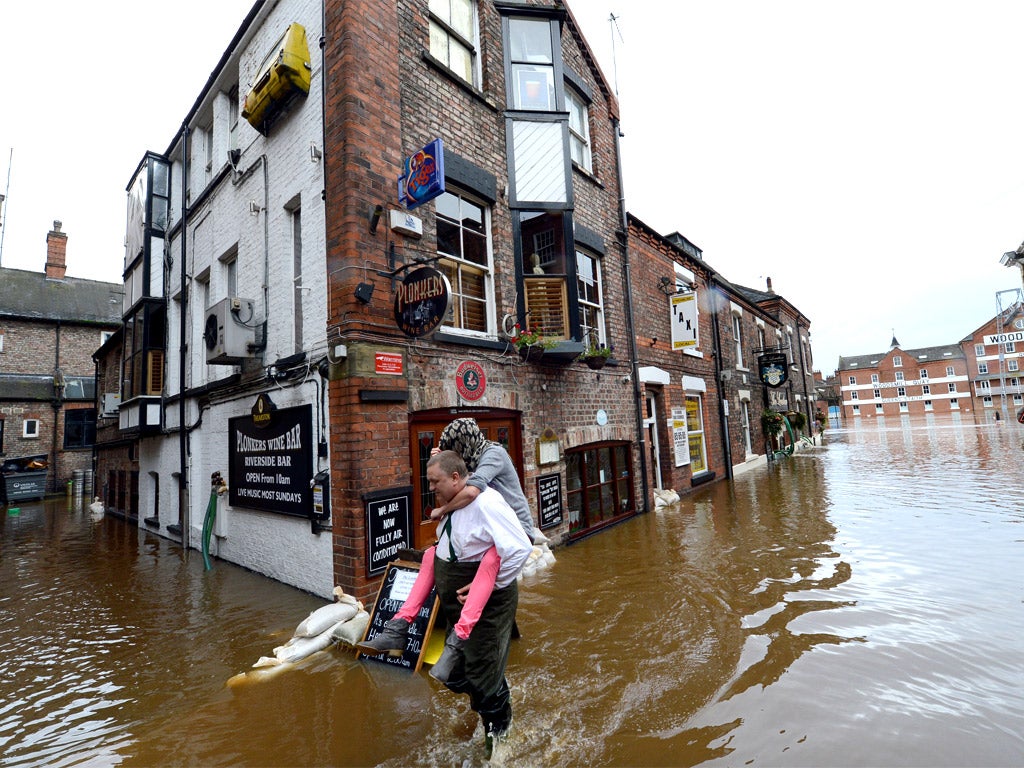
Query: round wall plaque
{"type": "Point", "coordinates": [470, 380]}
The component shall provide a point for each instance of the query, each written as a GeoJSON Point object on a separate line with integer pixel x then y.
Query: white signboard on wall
{"type": "Point", "coordinates": [1004, 338]}
{"type": "Point", "coordinates": [680, 440]}
{"type": "Point", "coordinates": [684, 320]}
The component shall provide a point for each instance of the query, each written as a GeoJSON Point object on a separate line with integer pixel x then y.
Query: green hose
{"type": "Point", "coordinates": [788, 450]}
{"type": "Point", "coordinates": [211, 513]}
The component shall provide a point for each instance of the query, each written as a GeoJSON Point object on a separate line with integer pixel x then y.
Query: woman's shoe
{"type": "Point", "coordinates": [450, 656]}
{"type": "Point", "coordinates": [391, 640]}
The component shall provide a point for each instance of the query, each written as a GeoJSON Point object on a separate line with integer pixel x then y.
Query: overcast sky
{"type": "Point", "coordinates": [865, 156]}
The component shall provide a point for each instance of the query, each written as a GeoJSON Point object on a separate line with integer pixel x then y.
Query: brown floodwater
{"type": "Point", "coordinates": [858, 604]}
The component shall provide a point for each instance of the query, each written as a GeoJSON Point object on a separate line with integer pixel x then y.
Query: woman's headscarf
{"type": "Point", "coordinates": [465, 438]}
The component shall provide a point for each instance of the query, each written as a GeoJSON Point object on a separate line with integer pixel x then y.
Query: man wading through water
{"type": "Point", "coordinates": [464, 538]}
{"type": "Point", "coordinates": [490, 465]}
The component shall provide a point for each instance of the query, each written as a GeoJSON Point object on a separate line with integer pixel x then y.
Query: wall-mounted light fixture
{"type": "Point", "coordinates": [364, 292]}
{"type": "Point", "coordinates": [667, 286]}
{"type": "Point", "coordinates": [375, 213]}
{"type": "Point", "coordinates": [315, 153]}
{"type": "Point", "coordinates": [255, 208]}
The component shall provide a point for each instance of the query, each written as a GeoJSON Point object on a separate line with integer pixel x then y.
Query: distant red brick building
{"type": "Point", "coordinates": [912, 382]}
{"type": "Point", "coordinates": [994, 353]}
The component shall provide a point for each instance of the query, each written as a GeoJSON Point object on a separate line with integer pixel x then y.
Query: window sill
{"type": "Point", "coordinates": [472, 341]}
{"type": "Point", "coordinates": [440, 67]}
{"type": "Point", "coordinates": [588, 175]}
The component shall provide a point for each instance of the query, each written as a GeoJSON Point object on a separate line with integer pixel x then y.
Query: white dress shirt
{"type": "Point", "coordinates": [487, 521]}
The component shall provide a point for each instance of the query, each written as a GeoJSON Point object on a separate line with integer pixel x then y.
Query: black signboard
{"type": "Point", "coordinates": [388, 527]}
{"type": "Point", "coordinates": [422, 301]}
{"type": "Point", "coordinates": [398, 580]}
{"type": "Point", "coordinates": [270, 459]}
{"type": "Point", "coordinates": [773, 369]}
{"type": "Point", "coordinates": [549, 500]}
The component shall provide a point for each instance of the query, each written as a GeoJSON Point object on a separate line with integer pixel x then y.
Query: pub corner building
{"type": "Point", "coordinates": [339, 253]}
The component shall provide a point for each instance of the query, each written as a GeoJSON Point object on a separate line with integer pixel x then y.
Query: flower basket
{"type": "Point", "coordinates": [771, 422]}
{"type": "Point", "coordinates": [530, 353]}
{"type": "Point", "coordinates": [530, 345]}
{"type": "Point", "coordinates": [595, 356]}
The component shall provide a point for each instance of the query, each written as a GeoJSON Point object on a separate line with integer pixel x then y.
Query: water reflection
{"type": "Point", "coordinates": [857, 604]}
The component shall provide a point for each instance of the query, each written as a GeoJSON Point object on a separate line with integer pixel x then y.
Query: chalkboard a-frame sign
{"type": "Point", "coordinates": [398, 580]}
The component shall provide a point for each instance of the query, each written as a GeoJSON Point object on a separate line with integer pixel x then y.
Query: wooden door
{"type": "Point", "coordinates": [502, 426]}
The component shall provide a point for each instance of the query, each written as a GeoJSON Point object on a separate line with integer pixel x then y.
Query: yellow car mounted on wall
{"type": "Point", "coordinates": [285, 72]}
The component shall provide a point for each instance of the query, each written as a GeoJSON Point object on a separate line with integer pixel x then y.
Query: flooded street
{"type": "Point", "coordinates": [858, 604]}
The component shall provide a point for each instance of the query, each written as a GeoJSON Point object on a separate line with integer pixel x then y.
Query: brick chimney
{"type": "Point", "coordinates": [56, 253]}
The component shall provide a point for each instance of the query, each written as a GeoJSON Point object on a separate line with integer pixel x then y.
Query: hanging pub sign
{"type": "Point", "coordinates": [422, 177]}
{"type": "Point", "coordinates": [773, 369]}
{"type": "Point", "coordinates": [270, 459]}
{"type": "Point", "coordinates": [422, 301]}
{"type": "Point", "coordinates": [777, 400]}
{"type": "Point", "coordinates": [684, 320]}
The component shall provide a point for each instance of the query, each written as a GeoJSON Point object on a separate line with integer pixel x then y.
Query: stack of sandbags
{"type": "Point", "coordinates": [664, 498]}
{"type": "Point", "coordinates": [341, 619]}
{"type": "Point", "coordinates": [540, 557]}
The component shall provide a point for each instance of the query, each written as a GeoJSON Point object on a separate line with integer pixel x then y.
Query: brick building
{"type": "Point", "coordinates": [787, 333]}
{"type": "Point", "coordinates": [341, 251]}
{"type": "Point", "coordinates": [672, 300]}
{"type": "Point", "coordinates": [993, 354]}
{"type": "Point", "coordinates": [50, 324]}
{"type": "Point", "coordinates": [702, 343]}
{"type": "Point", "coordinates": [913, 382]}
{"type": "Point", "coordinates": [528, 231]}
{"type": "Point", "coordinates": [116, 452]}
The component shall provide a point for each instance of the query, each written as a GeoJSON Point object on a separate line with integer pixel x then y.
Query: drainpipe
{"type": "Point", "coordinates": [803, 377]}
{"type": "Point", "coordinates": [97, 402]}
{"type": "Point", "coordinates": [723, 419]}
{"type": "Point", "coordinates": [634, 362]}
{"type": "Point", "coordinates": [323, 102]}
{"type": "Point", "coordinates": [56, 404]}
{"type": "Point", "coordinates": [266, 250]}
{"type": "Point", "coordinates": [183, 512]}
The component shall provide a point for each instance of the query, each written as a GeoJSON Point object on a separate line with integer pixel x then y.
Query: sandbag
{"type": "Point", "coordinates": [351, 631]}
{"type": "Point", "coordinates": [322, 619]}
{"type": "Point", "coordinates": [299, 648]}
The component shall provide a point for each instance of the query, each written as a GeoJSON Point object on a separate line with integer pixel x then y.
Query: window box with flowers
{"type": "Point", "coordinates": [595, 356]}
{"type": "Point", "coordinates": [530, 345]}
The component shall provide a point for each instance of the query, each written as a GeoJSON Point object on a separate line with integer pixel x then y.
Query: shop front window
{"type": "Point", "coordinates": [599, 482]}
{"type": "Point", "coordinates": [695, 434]}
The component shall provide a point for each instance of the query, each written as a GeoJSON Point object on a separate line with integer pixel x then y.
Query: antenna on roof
{"type": "Point", "coordinates": [3, 199]}
{"type": "Point", "coordinates": [613, 28]}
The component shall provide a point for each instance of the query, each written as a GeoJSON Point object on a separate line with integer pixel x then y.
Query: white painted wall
{"type": "Point", "coordinates": [276, 172]}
